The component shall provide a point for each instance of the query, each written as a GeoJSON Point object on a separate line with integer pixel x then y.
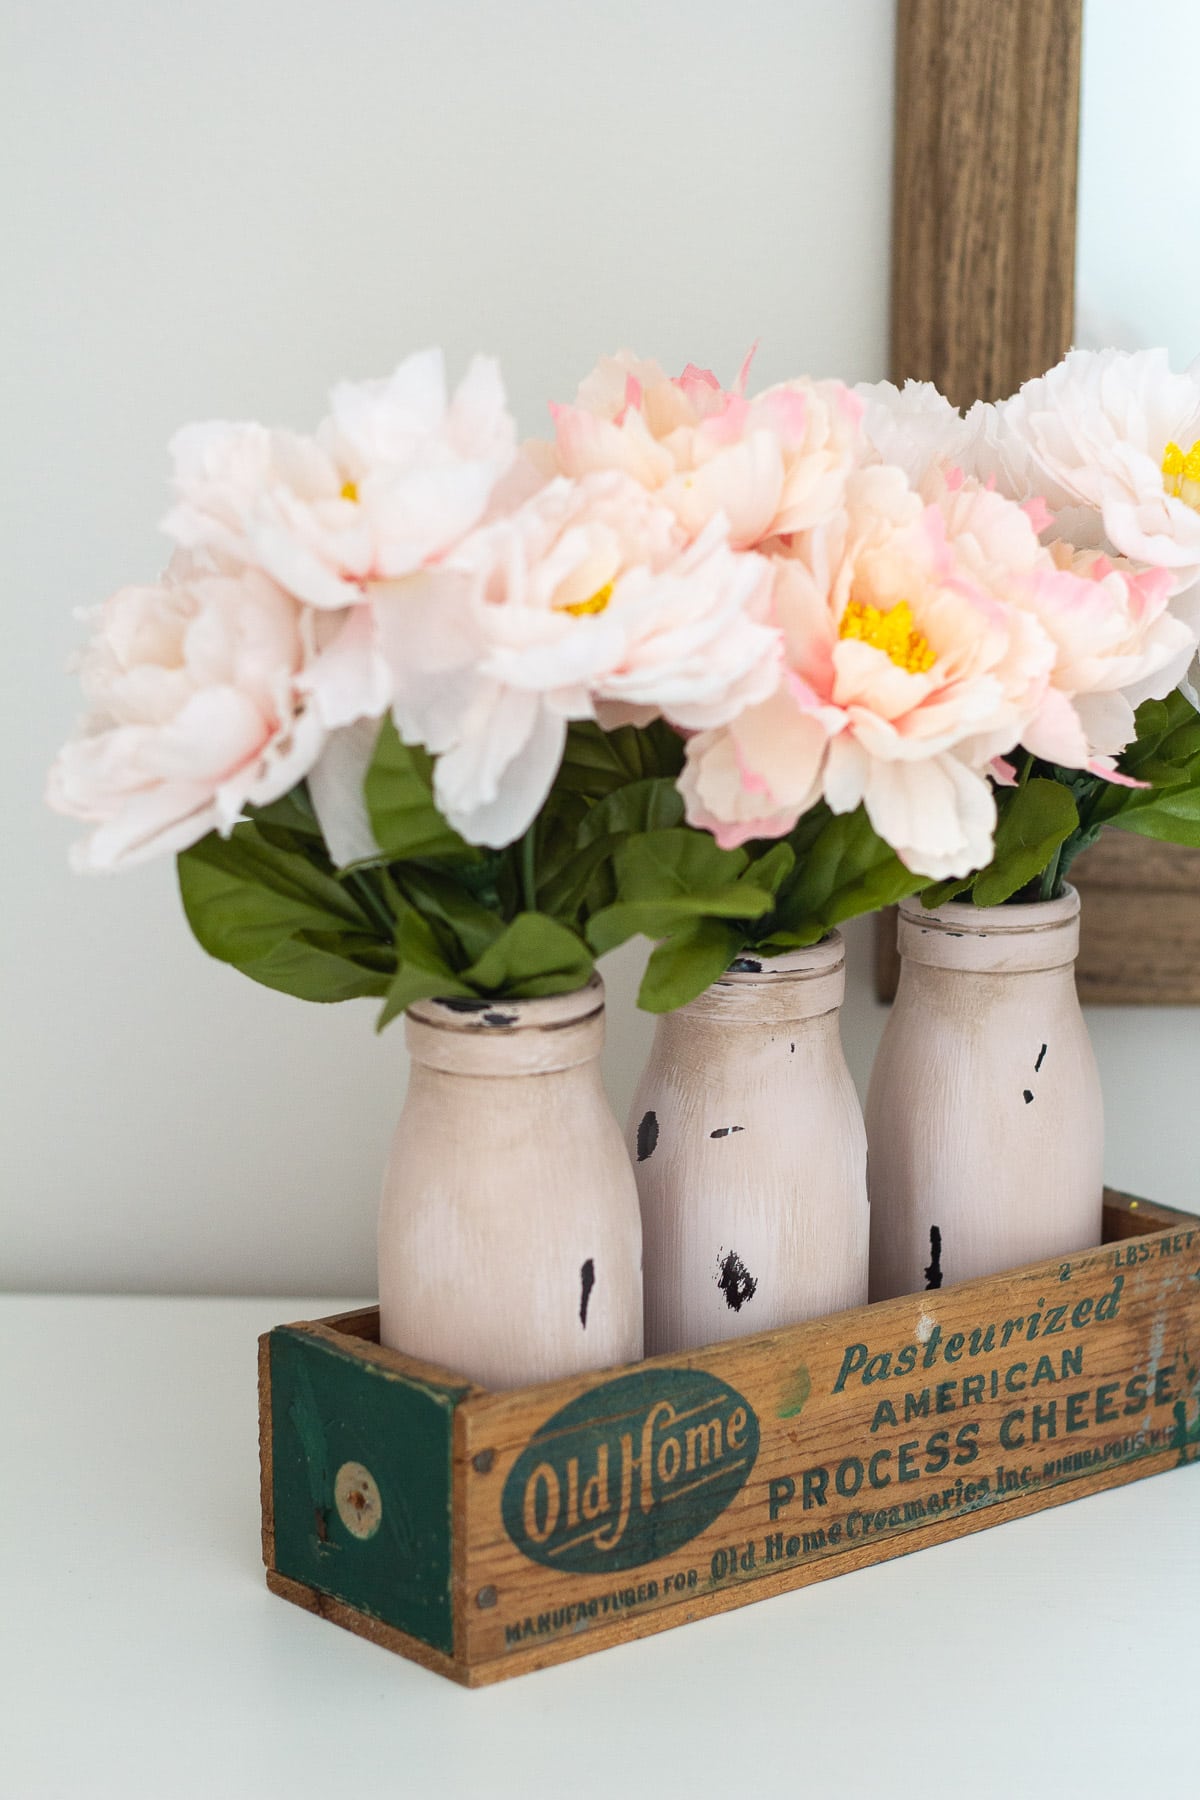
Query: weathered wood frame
{"type": "Point", "coordinates": [1126, 1326]}
{"type": "Point", "coordinates": [983, 296]}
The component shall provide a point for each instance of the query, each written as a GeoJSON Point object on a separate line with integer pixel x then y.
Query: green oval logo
{"type": "Point", "coordinates": [630, 1470]}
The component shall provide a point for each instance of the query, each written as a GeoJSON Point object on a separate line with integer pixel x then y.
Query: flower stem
{"type": "Point", "coordinates": [373, 905]}
{"type": "Point", "coordinates": [528, 875]}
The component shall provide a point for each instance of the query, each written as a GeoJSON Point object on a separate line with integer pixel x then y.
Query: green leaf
{"type": "Point", "coordinates": [772, 869]}
{"type": "Point", "coordinates": [423, 972]}
{"type": "Point", "coordinates": [843, 868]}
{"type": "Point", "coordinates": [398, 789]}
{"type": "Point", "coordinates": [325, 969]}
{"type": "Point", "coordinates": [244, 897]}
{"type": "Point", "coordinates": [1034, 820]}
{"type": "Point", "coordinates": [689, 961]}
{"type": "Point", "coordinates": [292, 813]}
{"type": "Point", "coordinates": [653, 804]}
{"type": "Point", "coordinates": [595, 762]}
{"type": "Point", "coordinates": [941, 893]}
{"type": "Point", "coordinates": [532, 956]}
{"type": "Point", "coordinates": [649, 805]}
{"type": "Point", "coordinates": [457, 918]}
{"type": "Point", "coordinates": [668, 878]}
{"type": "Point", "coordinates": [1172, 815]}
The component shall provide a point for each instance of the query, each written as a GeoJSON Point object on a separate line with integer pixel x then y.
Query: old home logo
{"type": "Point", "coordinates": [630, 1470]}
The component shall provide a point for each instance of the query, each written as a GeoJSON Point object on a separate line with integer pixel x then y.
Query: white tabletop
{"type": "Point", "coordinates": [141, 1655]}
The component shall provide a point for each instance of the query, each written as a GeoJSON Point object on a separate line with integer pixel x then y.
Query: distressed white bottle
{"type": "Point", "coordinates": [985, 1118]}
{"type": "Point", "coordinates": [509, 1235]}
{"type": "Point", "coordinates": [750, 1155]}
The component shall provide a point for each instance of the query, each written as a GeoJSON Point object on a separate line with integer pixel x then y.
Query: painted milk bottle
{"type": "Point", "coordinates": [509, 1235]}
{"type": "Point", "coordinates": [985, 1117]}
{"type": "Point", "coordinates": [750, 1155]}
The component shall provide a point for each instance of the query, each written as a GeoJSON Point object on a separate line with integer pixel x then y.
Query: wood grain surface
{"type": "Point", "coordinates": [983, 224]}
{"type": "Point", "coordinates": [615, 1504]}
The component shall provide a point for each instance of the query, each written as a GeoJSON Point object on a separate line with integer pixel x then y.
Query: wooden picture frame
{"type": "Point", "coordinates": [983, 298]}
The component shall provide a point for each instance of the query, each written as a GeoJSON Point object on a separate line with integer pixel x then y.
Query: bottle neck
{"type": "Point", "coordinates": [991, 940]}
{"type": "Point", "coordinates": [773, 991]}
{"type": "Point", "coordinates": [508, 1038]}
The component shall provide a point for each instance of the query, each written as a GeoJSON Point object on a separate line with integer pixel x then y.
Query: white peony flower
{"type": "Point", "coordinates": [585, 603]}
{"type": "Point", "coordinates": [1113, 434]}
{"type": "Point", "coordinates": [914, 428]}
{"type": "Point", "coordinates": [195, 712]}
{"type": "Point", "coordinates": [394, 477]}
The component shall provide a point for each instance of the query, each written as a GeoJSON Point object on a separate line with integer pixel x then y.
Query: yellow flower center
{"type": "Point", "coordinates": [350, 491]}
{"type": "Point", "coordinates": [892, 631]}
{"type": "Point", "coordinates": [1181, 473]}
{"type": "Point", "coordinates": [595, 603]}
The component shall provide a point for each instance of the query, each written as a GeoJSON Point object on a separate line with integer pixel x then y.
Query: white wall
{"type": "Point", "coordinates": [218, 207]}
{"type": "Point", "coordinates": [1139, 202]}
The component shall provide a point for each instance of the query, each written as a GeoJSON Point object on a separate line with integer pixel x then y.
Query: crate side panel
{"type": "Point", "coordinates": [746, 1465]}
{"type": "Point", "coordinates": [361, 1483]}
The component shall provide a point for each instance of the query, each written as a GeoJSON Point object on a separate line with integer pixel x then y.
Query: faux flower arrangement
{"type": "Point", "coordinates": [422, 713]}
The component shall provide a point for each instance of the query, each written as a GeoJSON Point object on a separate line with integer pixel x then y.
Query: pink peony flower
{"type": "Point", "coordinates": [195, 712]}
{"type": "Point", "coordinates": [1116, 644]}
{"type": "Point", "coordinates": [393, 478]}
{"type": "Point", "coordinates": [586, 602]}
{"type": "Point", "coordinates": [770, 465]}
{"type": "Point", "coordinates": [906, 671]}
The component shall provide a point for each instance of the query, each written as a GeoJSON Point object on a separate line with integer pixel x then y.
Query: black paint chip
{"type": "Point", "coordinates": [1041, 1059]}
{"type": "Point", "coordinates": [587, 1281]}
{"type": "Point", "coordinates": [1028, 1096]}
{"type": "Point", "coordinates": [933, 1274]}
{"type": "Point", "coordinates": [735, 1281]}
{"type": "Point", "coordinates": [724, 1130]}
{"type": "Point", "coordinates": [647, 1136]}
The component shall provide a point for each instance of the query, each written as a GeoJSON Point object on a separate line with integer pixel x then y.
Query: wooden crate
{"type": "Point", "coordinates": [489, 1534]}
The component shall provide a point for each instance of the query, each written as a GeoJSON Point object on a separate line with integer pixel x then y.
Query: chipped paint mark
{"type": "Point", "coordinates": [933, 1274]}
{"type": "Point", "coordinates": [1027, 1096]}
{"type": "Point", "coordinates": [745, 965]}
{"type": "Point", "coordinates": [796, 1394]}
{"type": "Point", "coordinates": [587, 1281]}
{"type": "Point", "coordinates": [725, 1130]}
{"type": "Point", "coordinates": [735, 1281]}
{"type": "Point", "coordinates": [357, 1499]}
{"type": "Point", "coordinates": [924, 1328]}
{"type": "Point", "coordinates": [647, 1136]}
{"type": "Point", "coordinates": [499, 1018]}
{"type": "Point", "coordinates": [1041, 1059]}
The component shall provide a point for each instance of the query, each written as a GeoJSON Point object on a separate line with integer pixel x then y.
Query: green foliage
{"type": "Point", "coordinates": [596, 762]}
{"type": "Point", "coordinates": [1034, 821]}
{"type": "Point", "coordinates": [398, 790]}
{"type": "Point", "coordinates": [1053, 814]}
{"type": "Point", "coordinates": [842, 868]}
{"type": "Point", "coordinates": [1167, 755]}
{"type": "Point", "coordinates": [709, 905]}
{"type": "Point", "coordinates": [609, 857]}
{"type": "Point", "coordinates": [281, 917]}
{"type": "Point", "coordinates": [677, 885]}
